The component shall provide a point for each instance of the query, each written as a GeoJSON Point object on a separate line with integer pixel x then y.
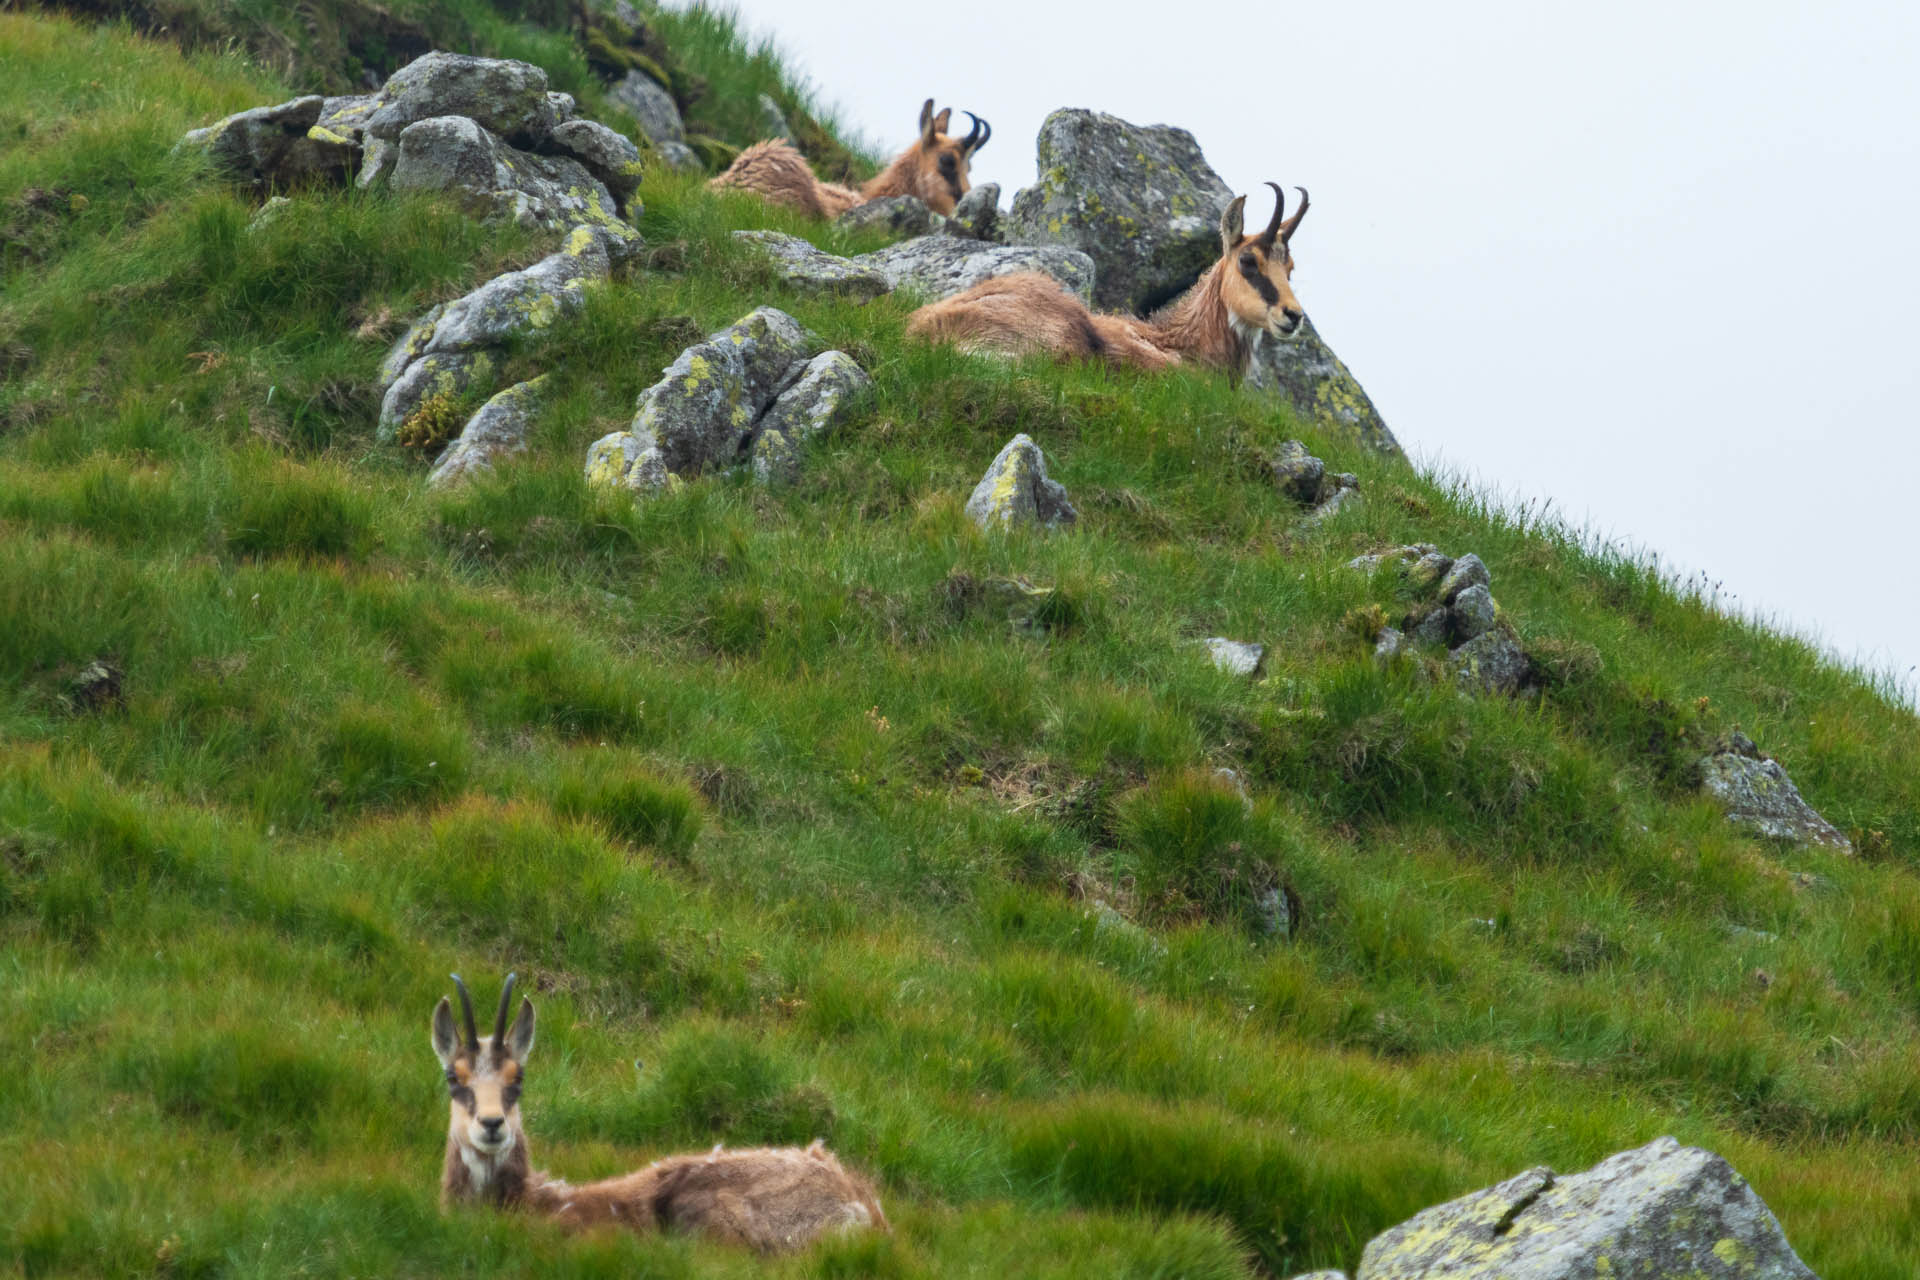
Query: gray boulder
{"type": "Point", "coordinates": [977, 215]}
{"type": "Point", "coordinates": [812, 270]}
{"type": "Point", "coordinates": [1017, 492]}
{"type": "Point", "coordinates": [455, 345]}
{"type": "Point", "coordinates": [1141, 201]}
{"type": "Point", "coordinates": [1468, 571]}
{"type": "Point", "coordinates": [498, 430]}
{"type": "Point", "coordinates": [773, 124]}
{"type": "Point", "coordinates": [1657, 1212]}
{"type": "Point", "coordinates": [377, 157]}
{"type": "Point", "coordinates": [1236, 657]}
{"type": "Point", "coordinates": [901, 215]}
{"type": "Point", "coordinates": [563, 106]}
{"type": "Point", "coordinates": [1756, 793]}
{"type": "Point", "coordinates": [1492, 662]}
{"type": "Point", "coordinates": [503, 96]}
{"type": "Point", "coordinates": [609, 156]}
{"type": "Point", "coordinates": [491, 179]}
{"type": "Point", "coordinates": [1474, 613]}
{"type": "Point", "coordinates": [277, 146]}
{"type": "Point", "coordinates": [1427, 571]}
{"type": "Point", "coordinates": [774, 459]}
{"type": "Point", "coordinates": [1303, 371]}
{"type": "Point", "coordinates": [679, 157]}
{"type": "Point", "coordinates": [1297, 473]}
{"type": "Point", "coordinates": [623, 460]}
{"type": "Point", "coordinates": [818, 402]}
{"type": "Point", "coordinates": [651, 106]}
{"type": "Point", "coordinates": [1388, 646]}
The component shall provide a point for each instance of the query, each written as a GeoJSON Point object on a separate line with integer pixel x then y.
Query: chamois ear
{"type": "Point", "coordinates": [446, 1038]}
{"type": "Point", "coordinates": [1232, 223]}
{"type": "Point", "coordinates": [520, 1039]}
{"type": "Point", "coordinates": [941, 121]}
{"type": "Point", "coordinates": [926, 122]}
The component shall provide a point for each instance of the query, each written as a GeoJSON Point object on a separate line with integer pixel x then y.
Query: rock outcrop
{"type": "Point", "coordinates": [1303, 371]}
{"type": "Point", "coordinates": [1659, 1211]}
{"type": "Point", "coordinates": [1757, 794]}
{"type": "Point", "coordinates": [1453, 606]}
{"type": "Point", "coordinates": [1016, 491]}
{"type": "Point", "coordinates": [754, 390]}
{"type": "Point", "coordinates": [934, 266]}
{"type": "Point", "coordinates": [277, 147]}
{"type": "Point", "coordinates": [455, 155]}
{"type": "Point", "coordinates": [658, 116]}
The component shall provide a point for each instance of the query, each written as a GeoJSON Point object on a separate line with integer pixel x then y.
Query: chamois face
{"type": "Point", "coordinates": [1256, 271]}
{"type": "Point", "coordinates": [484, 1076]}
{"type": "Point", "coordinates": [940, 163]}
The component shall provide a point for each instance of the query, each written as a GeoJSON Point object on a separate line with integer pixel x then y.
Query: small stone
{"type": "Point", "coordinates": [774, 460]}
{"type": "Point", "coordinates": [1338, 493]}
{"type": "Point", "coordinates": [1492, 662]}
{"type": "Point", "coordinates": [1758, 795]}
{"type": "Point", "coordinates": [608, 156]}
{"type": "Point", "coordinates": [623, 460]}
{"type": "Point", "coordinates": [1236, 657]}
{"type": "Point", "coordinates": [498, 430]}
{"type": "Point", "coordinates": [99, 684]}
{"type": "Point", "coordinates": [939, 266]}
{"type": "Point", "coordinates": [1231, 778]}
{"type": "Point", "coordinates": [1297, 473]}
{"type": "Point", "coordinates": [1435, 627]}
{"type": "Point", "coordinates": [1016, 491]}
{"type": "Point", "coordinates": [1018, 599]}
{"type": "Point", "coordinates": [1474, 613]}
{"type": "Point", "coordinates": [900, 215]}
{"type": "Point", "coordinates": [977, 215]}
{"type": "Point", "coordinates": [652, 107]}
{"type": "Point", "coordinates": [1390, 646]}
{"type": "Point", "coordinates": [269, 211]}
{"type": "Point", "coordinates": [1428, 570]}
{"type": "Point", "coordinates": [1467, 571]}
{"type": "Point", "coordinates": [500, 95]}
{"type": "Point", "coordinates": [679, 157]}
{"type": "Point", "coordinates": [376, 163]}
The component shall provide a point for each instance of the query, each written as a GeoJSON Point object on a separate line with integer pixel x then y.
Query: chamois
{"type": "Point", "coordinates": [769, 1198]}
{"type": "Point", "coordinates": [1243, 297]}
{"type": "Point", "coordinates": [933, 168]}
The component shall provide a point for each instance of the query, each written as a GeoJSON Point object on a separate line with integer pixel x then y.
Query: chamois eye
{"type": "Point", "coordinates": [1248, 262]}
{"type": "Point", "coordinates": [463, 1096]}
{"type": "Point", "coordinates": [947, 163]}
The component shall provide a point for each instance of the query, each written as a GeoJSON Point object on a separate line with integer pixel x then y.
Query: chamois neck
{"type": "Point", "coordinates": [1197, 326]}
{"type": "Point", "coordinates": [502, 1180]}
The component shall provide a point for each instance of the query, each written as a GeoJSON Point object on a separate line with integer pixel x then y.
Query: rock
{"type": "Point", "coordinates": [502, 96]}
{"type": "Point", "coordinates": [702, 412]}
{"type": "Point", "coordinates": [346, 116]}
{"type": "Point", "coordinates": [277, 146]}
{"type": "Point", "coordinates": [1473, 613]}
{"type": "Point", "coordinates": [1337, 493]}
{"type": "Point", "coordinates": [623, 460]}
{"type": "Point", "coordinates": [679, 157]}
{"type": "Point", "coordinates": [1758, 794]}
{"type": "Point", "coordinates": [977, 215]}
{"type": "Point", "coordinates": [1236, 657]}
{"type": "Point", "coordinates": [1467, 571]}
{"type": "Point", "coordinates": [901, 215]}
{"type": "Point", "coordinates": [1435, 626]}
{"type": "Point", "coordinates": [774, 460]}
{"type": "Point", "coordinates": [1492, 662]}
{"type": "Point", "coordinates": [1303, 371]}
{"type": "Point", "coordinates": [652, 107]}
{"type": "Point", "coordinates": [563, 107]}
{"type": "Point", "coordinates": [498, 430]}
{"type": "Point", "coordinates": [818, 401]}
{"type": "Point", "coordinates": [611, 157]}
{"type": "Point", "coordinates": [1322, 1275]}
{"type": "Point", "coordinates": [1231, 779]}
{"type": "Point", "coordinates": [451, 347]}
{"type": "Point", "coordinates": [1426, 572]}
{"type": "Point", "coordinates": [1016, 491]}
{"type": "Point", "coordinates": [773, 124]}
{"type": "Point", "coordinates": [1273, 913]}
{"type": "Point", "coordinates": [269, 213]}
{"type": "Point", "coordinates": [1662, 1210]}
{"type": "Point", "coordinates": [99, 684]}
{"type": "Point", "coordinates": [1018, 600]}
{"type": "Point", "coordinates": [812, 270]}
{"type": "Point", "coordinates": [1388, 646]}
{"type": "Point", "coordinates": [376, 162]}
{"type": "Point", "coordinates": [940, 266]}
{"type": "Point", "coordinates": [458, 156]}
{"type": "Point", "coordinates": [1297, 473]}
{"type": "Point", "coordinates": [1403, 557]}
{"type": "Point", "coordinates": [1142, 202]}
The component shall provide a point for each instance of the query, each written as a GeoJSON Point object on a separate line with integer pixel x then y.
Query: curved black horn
{"type": "Point", "coordinates": [1279, 212]}
{"type": "Point", "coordinates": [466, 1010]}
{"type": "Point", "coordinates": [1293, 223]}
{"type": "Point", "coordinates": [978, 136]}
{"type": "Point", "coordinates": [500, 1019]}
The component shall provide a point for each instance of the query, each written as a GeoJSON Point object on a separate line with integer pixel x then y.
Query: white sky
{"type": "Point", "coordinates": [1656, 262]}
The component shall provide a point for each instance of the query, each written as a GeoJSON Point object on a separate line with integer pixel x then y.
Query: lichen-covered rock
{"type": "Point", "coordinates": [278, 146]}
{"type": "Point", "coordinates": [703, 410]}
{"type": "Point", "coordinates": [815, 271]}
{"type": "Point", "coordinates": [458, 156]}
{"type": "Point", "coordinates": [611, 157]}
{"type": "Point", "coordinates": [1401, 557]}
{"type": "Point", "coordinates": [503, 96]}
{"type": "Point", "coordinates": [1236, 657]}
{"type": "Point", "coordinates": [1492, 662]}
{"type": "Point", "coordinates": [1468, 571]}
{"type": "Point", "coordinates": [1474, 613]}
{"type": "Point", "coordinates": [1388, 646]}
{"type": "Point", "coordinates": [901, 215]}
{"type": "Point", "coordinates": [1016, 491]}
{"type": "Point", "coordinates": [1426, 572]}
{"type": "Point", "coordinates": [1297, 473]}
{"type": "Point", "coordinates": [269, 213]}
{"type": "Point", "coordinates": [774, 459]}
{"type": "Point", "coordinates": [1435, 626]}
{"type": "Point", "coordinates": [1658, 1212]}
{"type": "Point", "coordinates": [940, 266]}
{"type": "Point", "coordinates": [652, 107]}
{"type": "Point", "coordinates": [1303, 371]}
{"type": "Point", "coordinates": [377, 158]}
{"type": "Point", "coordinates": [1756, 793]}
{"type": "Point", "coordinates": [818, 401]}
{"type": "Point", "coordinates": [563, 106]}
{"type": "Point", "coordinates": [449, 348]}
{"type": "Point", "coordinates": [977, 215]}
{"type": "Point", "coordinates": [623, 460]}
{"type": "Point", "coordinates": [1141, 201]}
{"type": "Point", "coordinates": [498, 430]}
{"type": "Point", "coordinates": [773, 124]}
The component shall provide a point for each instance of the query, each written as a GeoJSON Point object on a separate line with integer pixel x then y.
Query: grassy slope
{"type": "Point", "coordinates": [786, 830]}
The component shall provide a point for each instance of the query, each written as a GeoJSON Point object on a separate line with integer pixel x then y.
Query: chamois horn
{"type": "Point", "coordinates": [500, 1019]}
{"type": "Point", "coordinates": [977, 137]}
{"type": "Point", "coordinates": [1287, 228]}
{"type": "Point", "coordinates": [1279, 212]}
{"type": "Point", "coordinates": [466, 1009]}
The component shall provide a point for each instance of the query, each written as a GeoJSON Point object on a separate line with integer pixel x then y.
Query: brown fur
{"type": "Point", "coordinates": [1214, 323]}
{"type": "Point", "coordinates": [767, 1198]}
{"type": "Point", "coordinates": [934, 168]}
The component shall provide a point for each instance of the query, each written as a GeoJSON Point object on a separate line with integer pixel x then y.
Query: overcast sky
{"type": "Point", "coordinates": [1656, 262]}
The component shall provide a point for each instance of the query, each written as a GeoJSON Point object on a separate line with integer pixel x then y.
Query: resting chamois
{"type": "Point", "coordinates": [771, 1198]}
{"type": "Point", "coordinates": [1245, 295]}
{"type": "Point", "coordinates": [933, 168]}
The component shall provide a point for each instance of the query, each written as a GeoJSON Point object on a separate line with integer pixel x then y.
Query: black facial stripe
{"type": "Point", "coordinates": [1250, 270]}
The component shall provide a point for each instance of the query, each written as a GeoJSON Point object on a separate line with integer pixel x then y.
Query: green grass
{"type": "Point", "coordinates": [788, 833]}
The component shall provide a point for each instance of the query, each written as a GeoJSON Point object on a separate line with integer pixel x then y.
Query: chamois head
{"type": "Point", "coordinates": [1255, 271]}
{"type": "Point", "coordinates": [939, 163]}
{"type": "Point", "coordinates": [484, 1078]}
